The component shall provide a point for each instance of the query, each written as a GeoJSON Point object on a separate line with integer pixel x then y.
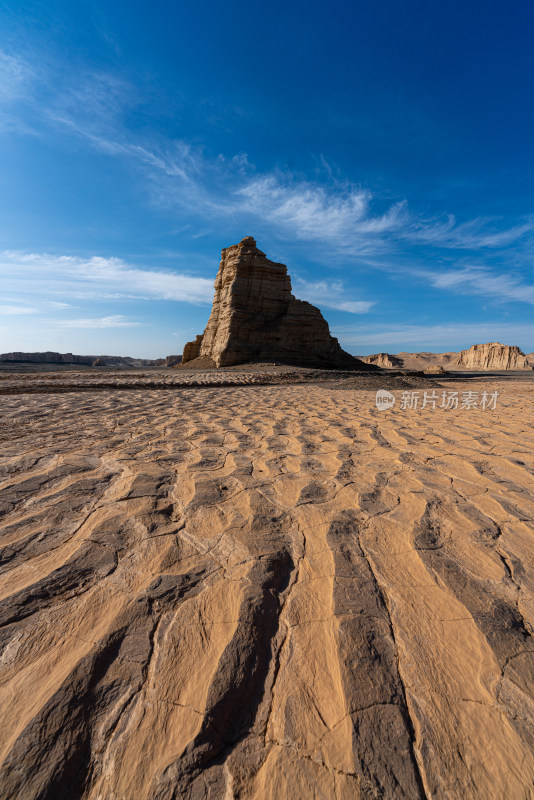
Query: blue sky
{"type": "Point", "coordinates": [383, 151]}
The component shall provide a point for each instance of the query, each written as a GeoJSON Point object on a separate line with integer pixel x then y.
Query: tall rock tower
{"type": "Point", "coordinates": [255, 317]}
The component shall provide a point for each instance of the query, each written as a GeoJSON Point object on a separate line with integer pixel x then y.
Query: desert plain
{"type": "Point", "coordinates": [260, 586]}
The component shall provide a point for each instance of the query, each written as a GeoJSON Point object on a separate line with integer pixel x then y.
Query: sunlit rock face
{"type": "Point", "coordinates": [493, 355]}
{"type": "Point", "coordinates": [383, 360]}
{"type": "Point", "coordinates": [255, 317]}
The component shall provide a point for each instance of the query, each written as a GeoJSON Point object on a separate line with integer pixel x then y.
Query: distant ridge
{"type": "Point", "coordinates": [50, 357]}
{"type": "Point", "coordinates": [490, 356]}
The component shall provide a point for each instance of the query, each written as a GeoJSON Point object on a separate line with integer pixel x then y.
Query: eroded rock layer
{"type": "Point", "coordinates": [256, 318]}
{"type": "Point", "coordinates": [266, 593]}
{"type": "Point", "coordinates": [383, 360]}
{"type": "Point", "coordinates": [493, 355]}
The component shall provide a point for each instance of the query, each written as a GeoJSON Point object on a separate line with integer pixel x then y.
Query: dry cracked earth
{"type": "Point", "coordinates": [265, 592]}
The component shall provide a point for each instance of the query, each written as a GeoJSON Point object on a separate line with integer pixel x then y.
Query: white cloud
{"type": "Point", "coordinates": [469, 235]}
{"type": "Point", "coordinates": [329, 295]}
{"type": "Point", "coordinates": [115, 321]}
{"type": "Point", "coordinates": [338, 219]}
{"type": "Point", "coordinates": [16, 310]}
{"type": "Point", "coordinates": [15, 74]}
{"type": "Point", "coordinates": [342, 216]}
{"type": "Point", "coordinates": [313, 212]}
{"type": "Point", "coordinates": [345, 218]}
{"type": "Point", "coordinates": [481, 281]}
{"type": "Point", "coordinates": [354, 306]}
{"type": "Point", "coordinates": [97, 277]}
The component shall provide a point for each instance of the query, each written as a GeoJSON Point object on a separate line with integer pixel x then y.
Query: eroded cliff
{"type": "Point", "coordinates": [493, 355]}
{"type": "Point", "coordinates": [255, 317]}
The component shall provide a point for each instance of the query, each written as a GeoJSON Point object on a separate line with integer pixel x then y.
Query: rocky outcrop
{"type": "Point", "coordinates": [192, 349]}
{"type": "Point", "coordinates": [384, 360]}
{"type": "Point", "coordinates": [493, 355]}
{"type": "Point", "coordinates": [256, 318]}
{"type": "Point", "coordinates": [168, 361]}
{"type": "Point", "coordinates": [172, 361]}
{"type": "Point", "coordinates": [435, 369]}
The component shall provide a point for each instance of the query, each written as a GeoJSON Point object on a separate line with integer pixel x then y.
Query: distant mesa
{"type": "Point", "coordinates": [494, 356]}
{"type": "Point", "coordinates": [255, 318]}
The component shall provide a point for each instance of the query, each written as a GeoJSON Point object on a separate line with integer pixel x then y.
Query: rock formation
{"type": "Point", "coordinates": [435, 369]}
{"type": "Point", "coordinates": [383, 360]}
{"type": "Point", "coordinates": [493, 355]}
{"type": "Point", "coordinates": [412, 361]}
{"type": "Point", "coordinates": [256, 318]}
{"type": "Point", "coordinates": [172, 361]}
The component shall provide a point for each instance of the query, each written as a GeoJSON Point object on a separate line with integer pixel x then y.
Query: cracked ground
{"type": "Point", "coordinates": [265, 592]}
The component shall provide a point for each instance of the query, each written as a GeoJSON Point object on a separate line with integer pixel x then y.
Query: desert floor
{"type": "Point", "coordinates": [265, 591]}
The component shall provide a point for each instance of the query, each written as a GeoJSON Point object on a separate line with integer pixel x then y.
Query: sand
{"type": "Point", "coordinates": [265, 591]}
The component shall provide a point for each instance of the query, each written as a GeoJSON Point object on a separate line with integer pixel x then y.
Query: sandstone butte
{"type": "Point", "coordinates": [493, 355]}
{"type": "Point", "coordinates": [256, 318]}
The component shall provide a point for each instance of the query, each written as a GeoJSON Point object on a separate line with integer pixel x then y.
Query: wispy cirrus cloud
{"type": "Point", "coordinates": [350, 219]}
{"type": "Point", "coordinates": [12, 310]}
{"type": "Point", "coordinates": [346, 218]}
{"type": "Point", "coordinates": [100, 278]}
{"type": "Point", "coordinates": [481, 281]}
{"type": "Point", "coordinates": [311, 211]}
{"type": "Point", "coordinates": [15, 76]}
{"type": "Point", "coordinates": [114, 321]}
{"type": "Point", "coordinates": [330, 294]}
{"type": "Point", "coordinates": [336, 218]}
{"type": "Point", "coordinates": [97, 278]}
{"type": "Point", "coordinates": [472, 235]}
{"type": "Point", "coordinates": [17, 82]}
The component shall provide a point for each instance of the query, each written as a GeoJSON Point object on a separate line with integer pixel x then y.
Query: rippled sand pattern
{"type": "Point", "coordinates": [42, 381]}
{"type": "Point", "coordinates": [265, 592]}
